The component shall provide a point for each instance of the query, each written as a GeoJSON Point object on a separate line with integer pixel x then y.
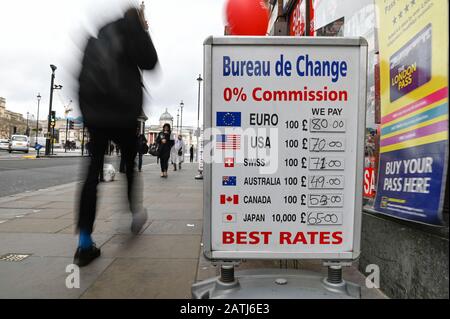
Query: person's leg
{"type": "Point", "coordinates": [165, 164]}
{"type": "Point", "coordinates": [102, 164]}
{"type": "Point", "coordinates": [127, 139]}
{"type": "Point", "coordinates": [122, 163]}
{"type": "Point", "coordinates": [87, 251]}
{"type": "Point", "coordinates": [158, 161]}
{"type": "Point", "coordinates": [88, 199]}
{"type": "Point", "coordinates": [140, 161]}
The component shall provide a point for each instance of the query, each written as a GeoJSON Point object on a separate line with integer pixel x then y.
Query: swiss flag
{"type": "Point", "coordinates": [229, 162]}
{"type": "Point", "coordinates": [224, 199]}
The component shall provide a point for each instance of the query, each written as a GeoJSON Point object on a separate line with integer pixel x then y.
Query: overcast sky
{"type": "Point", "coordinates": [37, 33]}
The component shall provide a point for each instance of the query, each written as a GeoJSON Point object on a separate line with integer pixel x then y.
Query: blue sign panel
{"type": "Point", "coordinates": [410, 183]}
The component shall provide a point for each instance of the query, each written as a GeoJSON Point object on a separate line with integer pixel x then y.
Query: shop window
{"type": "Point", "coordinates": [333, 29]}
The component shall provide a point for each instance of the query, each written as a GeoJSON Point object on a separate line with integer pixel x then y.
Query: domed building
{"type": "Point", "coordinates": [166, 117]}
{"type": "Point", "coordinates": [151, 131]}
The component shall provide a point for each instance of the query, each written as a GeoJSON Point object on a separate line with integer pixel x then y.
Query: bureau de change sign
{"type": "Point", "coordinates": [284, 149]}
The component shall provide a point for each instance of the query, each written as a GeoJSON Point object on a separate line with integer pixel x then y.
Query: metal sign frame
{"type": "Point", "coordinates": [357, 42]}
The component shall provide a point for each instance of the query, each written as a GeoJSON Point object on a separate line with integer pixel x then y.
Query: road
{"type": "Point", "coordinates": [18, 175]}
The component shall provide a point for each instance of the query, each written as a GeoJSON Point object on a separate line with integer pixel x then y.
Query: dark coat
{"type": "Point", "coordinates": [142, 146]}
{"type": "Point", "coordinates": [164, 149]}
{"type": "Point", "coordinates": [110, 90]}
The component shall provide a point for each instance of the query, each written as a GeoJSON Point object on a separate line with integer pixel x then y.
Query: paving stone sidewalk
{"type": "Point", "coordinates": [162, 262]}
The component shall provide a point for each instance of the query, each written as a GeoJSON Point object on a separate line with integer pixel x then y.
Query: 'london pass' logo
{"type": "Point", "coordinates": [228, 119]}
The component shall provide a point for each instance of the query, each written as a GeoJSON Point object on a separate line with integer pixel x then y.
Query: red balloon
{"type": "Point", "coordinates": [247, 17]}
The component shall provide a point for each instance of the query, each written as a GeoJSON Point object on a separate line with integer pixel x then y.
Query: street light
{"type": "Point", "coordinates": [48, 142]}
{"type": "Point", "coordinates": [28, 128]}
{"type": "Point", "coordinates": [181, 123]}
{"type": "Point", "coordinates": [37, 122]}
{"type": "Point", "coordinates": [178, 120]}
{"type": "Point", "coordinates": [198, 114]}
{"type": "Point", "coordinates": [67, 110]}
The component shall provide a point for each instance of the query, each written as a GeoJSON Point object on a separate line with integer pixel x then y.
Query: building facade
{"type": "Point", "coordinates": [412, 253]}
{"type": "Point", "coordinates": [11, 122]}
{"type": "Point", "coordinates": [188, 132]}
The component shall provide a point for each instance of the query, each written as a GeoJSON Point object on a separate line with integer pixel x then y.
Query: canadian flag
{"type": "Point", "coordinates": [224, 199]}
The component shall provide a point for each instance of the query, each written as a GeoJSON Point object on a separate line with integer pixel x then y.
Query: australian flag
{"type": "Point", "coordinates": [229, 181]}
{"type": "Point", "coordinates": [228, 119]}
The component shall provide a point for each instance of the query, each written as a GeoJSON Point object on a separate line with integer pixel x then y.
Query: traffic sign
{"type": "Point", "coordinates": [284, 167]}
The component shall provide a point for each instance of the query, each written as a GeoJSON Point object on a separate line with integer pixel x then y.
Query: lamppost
{"type": "Point", "coordinates": [198, 115]}
{"type": "Point", "coordinates": [48, 142]}
{"type": "Point", "coordinates": [178, 120]}
{"type": "Point", "coordinates": [28, 128]}
{"type": "Point", "coordinates": [67, 110]}
{"type": "Point", "coordinates": [181, 122]}
{"type": "Point", "coordinates": [82, 142]}
{"type": "Point", "coordinates": [37, 123]}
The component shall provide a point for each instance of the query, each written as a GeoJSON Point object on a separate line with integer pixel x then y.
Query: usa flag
{"type": "Point", "coordinates": [228, 142]}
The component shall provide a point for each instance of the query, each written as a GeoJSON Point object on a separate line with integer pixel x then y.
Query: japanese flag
{"type": "Point", "coordinates": [229, 218]}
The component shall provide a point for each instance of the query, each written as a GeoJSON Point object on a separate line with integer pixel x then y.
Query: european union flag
{"type": "Point", "coordinates": [228, 119]}
{"type": "Point", "coordinates": [229, 181]}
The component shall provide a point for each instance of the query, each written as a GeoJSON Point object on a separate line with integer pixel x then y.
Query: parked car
{"type": "Point", "coordinates": [4, 144]}
{"type": "Point", "coordinates": [19, 143]}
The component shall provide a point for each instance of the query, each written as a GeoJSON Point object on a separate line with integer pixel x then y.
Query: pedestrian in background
{"type": "Point", "coordinates": [110, 98]}
{"type": "Point", "coordinates": [191, 154]}
{"type": "Point", "coordinates": [142, 149]}
{"type": "Point", "coordinates": [165, 143]}
{"type": "Point", "coordinates": [177, 153]}
{"type": "Point", "coordinates": [89, 148]}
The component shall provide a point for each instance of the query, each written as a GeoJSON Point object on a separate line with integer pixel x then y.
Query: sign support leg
{"type": "Point", "coordinates": [227, 274]}
{"type": "Point", "coordinates": [335, 275]}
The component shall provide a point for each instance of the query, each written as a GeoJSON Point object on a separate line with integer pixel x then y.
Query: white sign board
{"type": "Point", "coordinates": [283, 177]}
{"type": "Point", "coordinates": [200, 152]}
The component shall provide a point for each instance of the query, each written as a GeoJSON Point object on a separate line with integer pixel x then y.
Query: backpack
{"type": "Point", "coordinates": [145, 148]}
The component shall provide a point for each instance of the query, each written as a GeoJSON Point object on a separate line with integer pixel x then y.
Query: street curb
{"type": "Point", "coordinates": [20, 196]}
{"type": "Point", "coordinates": [33, 193]}
{"type": "Point", "coordinates": [63, 156]}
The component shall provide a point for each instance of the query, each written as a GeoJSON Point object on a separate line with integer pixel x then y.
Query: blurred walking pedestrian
{"type": "Point", "coordinates": [191, 154]}
{"type": "Point", "coordinates": [165, 143]}
{"type": "Point", "coordinates": [142, 149]}
{"type": "Point", "coordinates": [110, 98]}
